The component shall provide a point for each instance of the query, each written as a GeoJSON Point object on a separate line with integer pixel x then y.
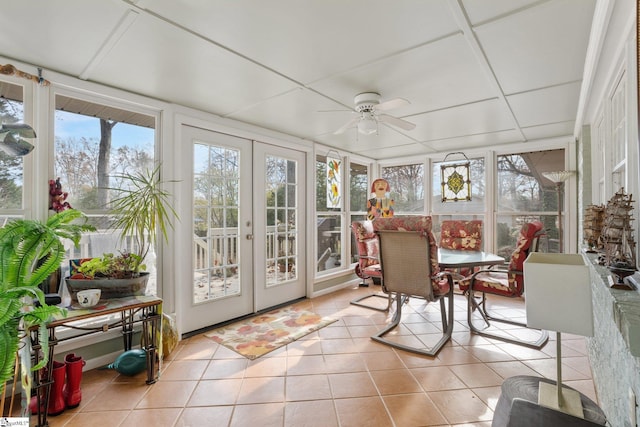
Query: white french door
{"type": "Point", "coordinates": [248, 199]}
{"type": "Point", "coordinates": [279, 214]}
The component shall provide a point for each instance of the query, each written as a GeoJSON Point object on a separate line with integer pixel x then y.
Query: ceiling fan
{"type": "Point", "coordinates": [368, 108]}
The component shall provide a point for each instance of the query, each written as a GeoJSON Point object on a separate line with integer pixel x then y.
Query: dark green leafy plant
{"type": "Point", "coordinates": [123, 266]}
{"type": "Point", "coordinates": [141, 209]}
{"type": "Point", "coordinates": [30, 251]}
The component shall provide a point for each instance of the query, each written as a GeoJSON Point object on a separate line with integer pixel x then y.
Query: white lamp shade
{"type": "Point", "coordinates": [367, 126]}
{"type": "Point", "coordinates": [558, 293]}
{"type": "Point", "coordinates": [559, 176]}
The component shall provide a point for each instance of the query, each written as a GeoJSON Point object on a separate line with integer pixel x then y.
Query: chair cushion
{"type": "Point", "coordinates": [367, 244]}
{"type": "Point", "coordinates": [461, 235]}
{"type": "Point", "coordinates": [511, 282]}
{"type": "Point", "coordinates": [421, 224]}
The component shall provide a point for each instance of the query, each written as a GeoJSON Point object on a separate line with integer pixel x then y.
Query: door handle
{"type": "Point", "coordinates": [249, 236]}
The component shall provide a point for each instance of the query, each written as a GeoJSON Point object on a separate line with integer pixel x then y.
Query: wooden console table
{"type": "Point", "coordinates": [146, 310]}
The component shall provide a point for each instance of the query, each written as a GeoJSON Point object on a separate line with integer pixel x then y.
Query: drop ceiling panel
{"type": "Point", "coordinates": [539, 46]}
{"type": "Point", "coordinates": [481, 11]}
{"type": "Point", "coordinates": [310, 40]}
{"type": "Point", "coordinates": [433, 76]}
{"type": "Point", "coordinates": [471, 119]}
{"type": "Point", "coordinates": [172, 64]}
{"type": "Point", "coordinates": [550, 105]}
{"type": "Point", "coordinates": [475, 141]}
{"type": "Point", "coordinates": [408, 150]}
{"type": "Point", "coordinates": [299, 111]}
{"type": "Point", "coordinates": [549, 131]}
{"type": "Point", "coordinates": [59, 36]}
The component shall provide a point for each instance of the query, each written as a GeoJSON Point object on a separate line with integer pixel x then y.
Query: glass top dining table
{"type": "Point", "coordinates": [450, 258]}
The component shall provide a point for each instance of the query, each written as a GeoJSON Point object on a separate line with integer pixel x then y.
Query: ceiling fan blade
{"type": "Point", "coordinates": [21, 129]}
{"type": "Point", "coordinates": [15, 146]}
{"type": "Point", "coordinates": [391, 104]}
{"type": "Point", "coordinates": [402, 124]}
{"type": "Point", "coordinates": [351, 123]}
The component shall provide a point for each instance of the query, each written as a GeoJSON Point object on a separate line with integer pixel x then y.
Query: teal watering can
{"type": "Point", "coordinates": [130, 362]}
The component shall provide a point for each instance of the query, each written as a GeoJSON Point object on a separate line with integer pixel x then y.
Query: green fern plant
{"type": "Point", "coordinates": [30, 251]}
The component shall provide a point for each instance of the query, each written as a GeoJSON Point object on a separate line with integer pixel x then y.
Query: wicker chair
{"type": "Point", "coordinates": [409, 264]}
{"type": "Point", "coordinates": [507, 282]}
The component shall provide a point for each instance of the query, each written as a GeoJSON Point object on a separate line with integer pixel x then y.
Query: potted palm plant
{"type": "Point", "coordinates": [30, 251]}
{"type": "Point", "coordinates": [141, 211]}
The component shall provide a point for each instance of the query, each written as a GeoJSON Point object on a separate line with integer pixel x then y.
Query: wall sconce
{"type": "Point", "coordinates": [455, 179]}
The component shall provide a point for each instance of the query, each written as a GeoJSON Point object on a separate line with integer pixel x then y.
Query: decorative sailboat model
{"type": "Point", "coordinates": [617, 236]}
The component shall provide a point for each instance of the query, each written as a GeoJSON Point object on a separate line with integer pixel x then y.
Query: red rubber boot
{"type": "Point", "coordinates": [56, 397]}
{"type": "Point", "coordinates": [72, 393]}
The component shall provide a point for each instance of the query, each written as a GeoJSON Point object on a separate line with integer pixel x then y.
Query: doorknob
{"type": "Point", "coordinates": [249, 236]}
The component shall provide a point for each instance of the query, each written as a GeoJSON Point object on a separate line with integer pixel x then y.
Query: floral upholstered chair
{"type": "Point", "coordinates": [368, 266]}
{"type": "Point", "coordinates": [409, 265]}
{"type": "Point", "coordinates": [461, 235]}
{"type": "Point", "coordinates": [507, 282]}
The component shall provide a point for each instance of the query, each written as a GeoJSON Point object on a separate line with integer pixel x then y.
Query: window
{"type": "Point", "coordinates": [329, 223]}
{"type": "Point", "coordinates": [358, 194]}
{"type": "Point", "coordinates": [523, 195]}
{"type": "Point", "coordinates": [619, 135]}
{"type": "Point", "coordinates": [407, 187]}
{"type": "Point", "coordinates": [462, 210]}
{"type": "Point", "coordinates": [94, 144]}
{"type": "Point", "coordinates": [11, 168]}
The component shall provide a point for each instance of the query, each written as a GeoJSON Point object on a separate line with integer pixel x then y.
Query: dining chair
{"type": "Point", "coordinates": [368, 265]}
{"type": "Point", "coordinates": [506, 281]}
{"type": "Point", "coordinates": [409, 266]}
{"type": "Point", "coordinates": [461, 235]}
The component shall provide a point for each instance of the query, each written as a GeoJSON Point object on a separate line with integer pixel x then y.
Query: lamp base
{"type": "Point", "coordinates": [548, 396]}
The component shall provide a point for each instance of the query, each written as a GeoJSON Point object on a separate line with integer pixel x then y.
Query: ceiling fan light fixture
{"type": "Point", "coordinates": [368, 126]}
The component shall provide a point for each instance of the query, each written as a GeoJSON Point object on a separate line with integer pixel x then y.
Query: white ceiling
{"type": "Point", "coordinates": [477, 73]}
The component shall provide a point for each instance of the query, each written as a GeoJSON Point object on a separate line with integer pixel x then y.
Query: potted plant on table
{"type": "Point", "coordinates": [30, 251]}
{"type": "Point", "coordinates": [141, 210]}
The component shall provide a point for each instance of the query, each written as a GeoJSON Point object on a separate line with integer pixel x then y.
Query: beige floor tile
{"type": "Point", "coordinates": [215, 392]}
{"type": "Point", "coordinates": [184, 370]}
{"type": "Point", "coordinates": [168, 394]}
{"type": "Point", "coordinates": [338, 346]}
{"type": "Point", "coordinates": [342, 363]}
{"type": "Point", "coordinates": [318, 413]}
{"type": "Point", "coordinates": [362, 412]}
{"type": "Point", "coordinates": [307, 387]}
{"type": "Point", "coordinates": [395, 381]}
{"type": "Point", "coordinates": [266, 367]}
{"type": "Point", "coordinates": [205, 416]}
{"type": "Point", "coordinates": [224, 368]}
{"type": "Point", "coordinates": [413, 410]}
{"type": "Point", "coordinates": [261, 390]}
{"type": "Point", "coordinates": [263, 415]}
{"type": "Point", "coordinates": [97, 419]}
{"type": "Point", "coordinates": [476, 375]}
{"type": "Point", "coordinates": [197, 350]}
{"type": "Point", "coordinates": [152, 417]}
{"type": "Point", "coordinates": [117, 396]}
{"type": "Point", "coordinates": [437, 378]}
{"type": "Point", "coordinates": [461, 406]}
{"type": "Point", "coordinates": [358, 384]}
{"type": "Point", "coordinates": [380, 361]}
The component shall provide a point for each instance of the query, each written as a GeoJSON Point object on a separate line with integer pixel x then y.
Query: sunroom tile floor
{"type": "Point", "coordinates": [336, 376]}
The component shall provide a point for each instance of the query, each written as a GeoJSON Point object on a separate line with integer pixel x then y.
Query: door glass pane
{"type": "Point", "coordinates": [281, 213]}
{"type": "Point", "coordinates": [215, 222]}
